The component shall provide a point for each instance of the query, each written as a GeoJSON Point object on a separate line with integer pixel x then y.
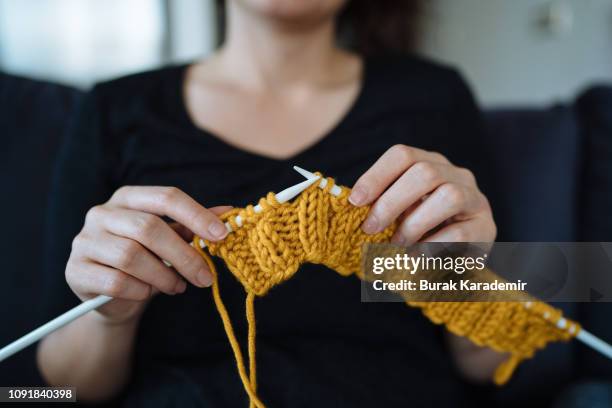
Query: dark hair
{"type": "Point", "coordinates": [368, 26]}
{"type": "Point", "coordinates": [379, 26]}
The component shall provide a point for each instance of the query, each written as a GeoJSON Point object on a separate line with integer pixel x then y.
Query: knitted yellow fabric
{"type": "Point", "coordinates": [318, 227]}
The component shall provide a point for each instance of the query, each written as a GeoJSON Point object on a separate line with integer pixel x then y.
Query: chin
{"type": "Point", "coordinates": [294, 10]}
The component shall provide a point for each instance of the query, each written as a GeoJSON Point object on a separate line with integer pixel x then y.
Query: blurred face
{"type": "Point", "coordinates": [296, 11]}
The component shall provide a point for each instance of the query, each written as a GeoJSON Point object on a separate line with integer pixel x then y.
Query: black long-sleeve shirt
{"type": "Point", "coordinates": [317, 344]}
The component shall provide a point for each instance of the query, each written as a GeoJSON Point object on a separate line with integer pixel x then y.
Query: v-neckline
{"type": "Point", "coordinates": [344, 120]}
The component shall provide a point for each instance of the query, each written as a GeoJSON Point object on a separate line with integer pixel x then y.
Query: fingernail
{"type": "Point", "coordinates": [358, 196]}
{"type": "Point", "coordinates": [180, 287]}
{"type": "Point", "coordinates": [370, 226]}
{"type": "Point", "coordinates": [204, 278]}
{"type": "Point", "coordinates": [217, 229]}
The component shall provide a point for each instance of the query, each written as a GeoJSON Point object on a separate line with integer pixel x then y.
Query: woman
{"type": "Point", "coordinates": [187, 142]}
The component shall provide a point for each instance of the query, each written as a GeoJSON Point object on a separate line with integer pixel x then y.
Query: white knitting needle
{"type": "Point", "coordinates": [583, 335]}
{"type": "Point", "coordinates": [335, 190]}
{"type": "Point", "coordinates": [595, 343]}
{"type": "Point", "coordinates": [91, 304]}
{"type": "Point", "coordinates": [282, 197]}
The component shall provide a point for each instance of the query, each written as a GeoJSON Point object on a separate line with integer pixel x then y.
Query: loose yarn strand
{"type": "Point", "coordinates": [250, 312]}
{"type": "Point", "coordinates": [247, 382]}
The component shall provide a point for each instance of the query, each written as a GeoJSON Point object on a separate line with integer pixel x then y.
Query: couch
{"type": "Point", "coordinates": [552, 181]}
{"type": "Point", "coordinates": [33, 118]}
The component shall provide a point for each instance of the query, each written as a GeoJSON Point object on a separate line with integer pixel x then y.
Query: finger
{"type": "Point", "coordinates": [158, 237]}
{"type": "Point", "coordinates": [410, 209]}
{"type": "Point", "coordinates": [173, 203]}
{"type": "Point", "coordinates": [97, 279]}
{"type": "Point", "coordinates": [132, 258]}
{"type": "Point", "coordinates": [386, 170]}
{"type": "Point", "coordinates": [220, 209]}
{"type": "Point", "coordinates": [447, 201]}
{"type": "Point", "coordinates": [473, 230]}
{"type": "Point", "coordinates": [420, 179]}
{"type": "Point", "coordinates": [188, 234]}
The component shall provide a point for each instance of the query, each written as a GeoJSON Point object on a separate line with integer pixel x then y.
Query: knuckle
{"type": "Point", "coordinates": [120, 192]}
{"type": "Point", "coordinates": [467, 174]}
{"type": "Point", "coordinates": [453, 194]}
{"type": "Point", "coordinates": [146, 225]}
{"type": "Point", "coordinates": [168, 195]}
{"type": "Point", "coordinates": [402, 152]}
{"type": "Point", "coordinates": [168, 283]}
{"type": "Point", "coordinates": [127, 253]}
{"type": "Point", "coordinates": [381, 208]}
{"type": "Point", "coordinates": [70, 273]}
{"type": "Point", "coordinates": [439, 157]}
{"type": "Point", "coordinates": [413, 227]}
{"type": "Point", "coordinates": [461, 234]}
{"type": "Point", "coordinates": [115, 285]}
{"type": "Point", "coordinates": [493, 231]}
{"type": "Point", "coordinates": [94, 214]}
{"type": "Point", "coordinates": [78, 242]}
{"type": "Point", "coordinates": [189, 263]}
{"type": "Point", "coordinates": [485, 204]}
{"type": "Point", "coordinates": [427, 171]}
{"type": "Point", "coordinates": [144, 294]}
{"type": "Point", "coordinates": [200, 220]}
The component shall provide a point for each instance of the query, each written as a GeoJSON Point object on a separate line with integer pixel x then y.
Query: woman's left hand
{"type": "Point", "coordinates": [432, 199]}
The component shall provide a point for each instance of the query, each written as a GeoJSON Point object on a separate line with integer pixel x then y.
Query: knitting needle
{"type": "Point", "coordinates": [595, 343]}
{"type": "Point", "coordinates": [282, 197]}
{"type": "Point", "coordinates": [91, 304]}
{"type": "Point", "coordinates": [583, 336]}
{"type": "Point", "coordinates": [335, 190]}
{"type": "Point", "coordinates": [52, 326]}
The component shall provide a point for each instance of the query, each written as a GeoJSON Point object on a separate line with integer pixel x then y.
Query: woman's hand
{"type": "Point", "coordinates": [432, 199]}
{"type": "Point", "coordinates": [120, 249]}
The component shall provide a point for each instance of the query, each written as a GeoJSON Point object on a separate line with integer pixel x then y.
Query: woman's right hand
{"type": "Point", "coordinates": [120, 249]}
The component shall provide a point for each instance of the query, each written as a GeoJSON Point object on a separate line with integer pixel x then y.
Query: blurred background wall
{"type": "Point", "coordinates": [517, 51]}
{"type": "Point", "coordinates": [79, 42]}
{"type": "Point", "coordinates": [512, 51]}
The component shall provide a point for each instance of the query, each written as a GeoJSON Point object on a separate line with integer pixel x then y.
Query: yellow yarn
{"type": "Point", "coordinates": [318, 227]}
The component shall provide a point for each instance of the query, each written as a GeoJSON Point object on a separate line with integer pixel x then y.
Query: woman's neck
{"type": "Point", "coordinates": [274, 55]}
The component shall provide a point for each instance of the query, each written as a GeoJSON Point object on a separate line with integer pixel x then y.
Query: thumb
{"type": "Point", "coordinates": [186, 233]}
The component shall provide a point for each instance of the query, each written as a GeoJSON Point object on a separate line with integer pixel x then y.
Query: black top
{"type": "Point", "coordinates": [317, 344]}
